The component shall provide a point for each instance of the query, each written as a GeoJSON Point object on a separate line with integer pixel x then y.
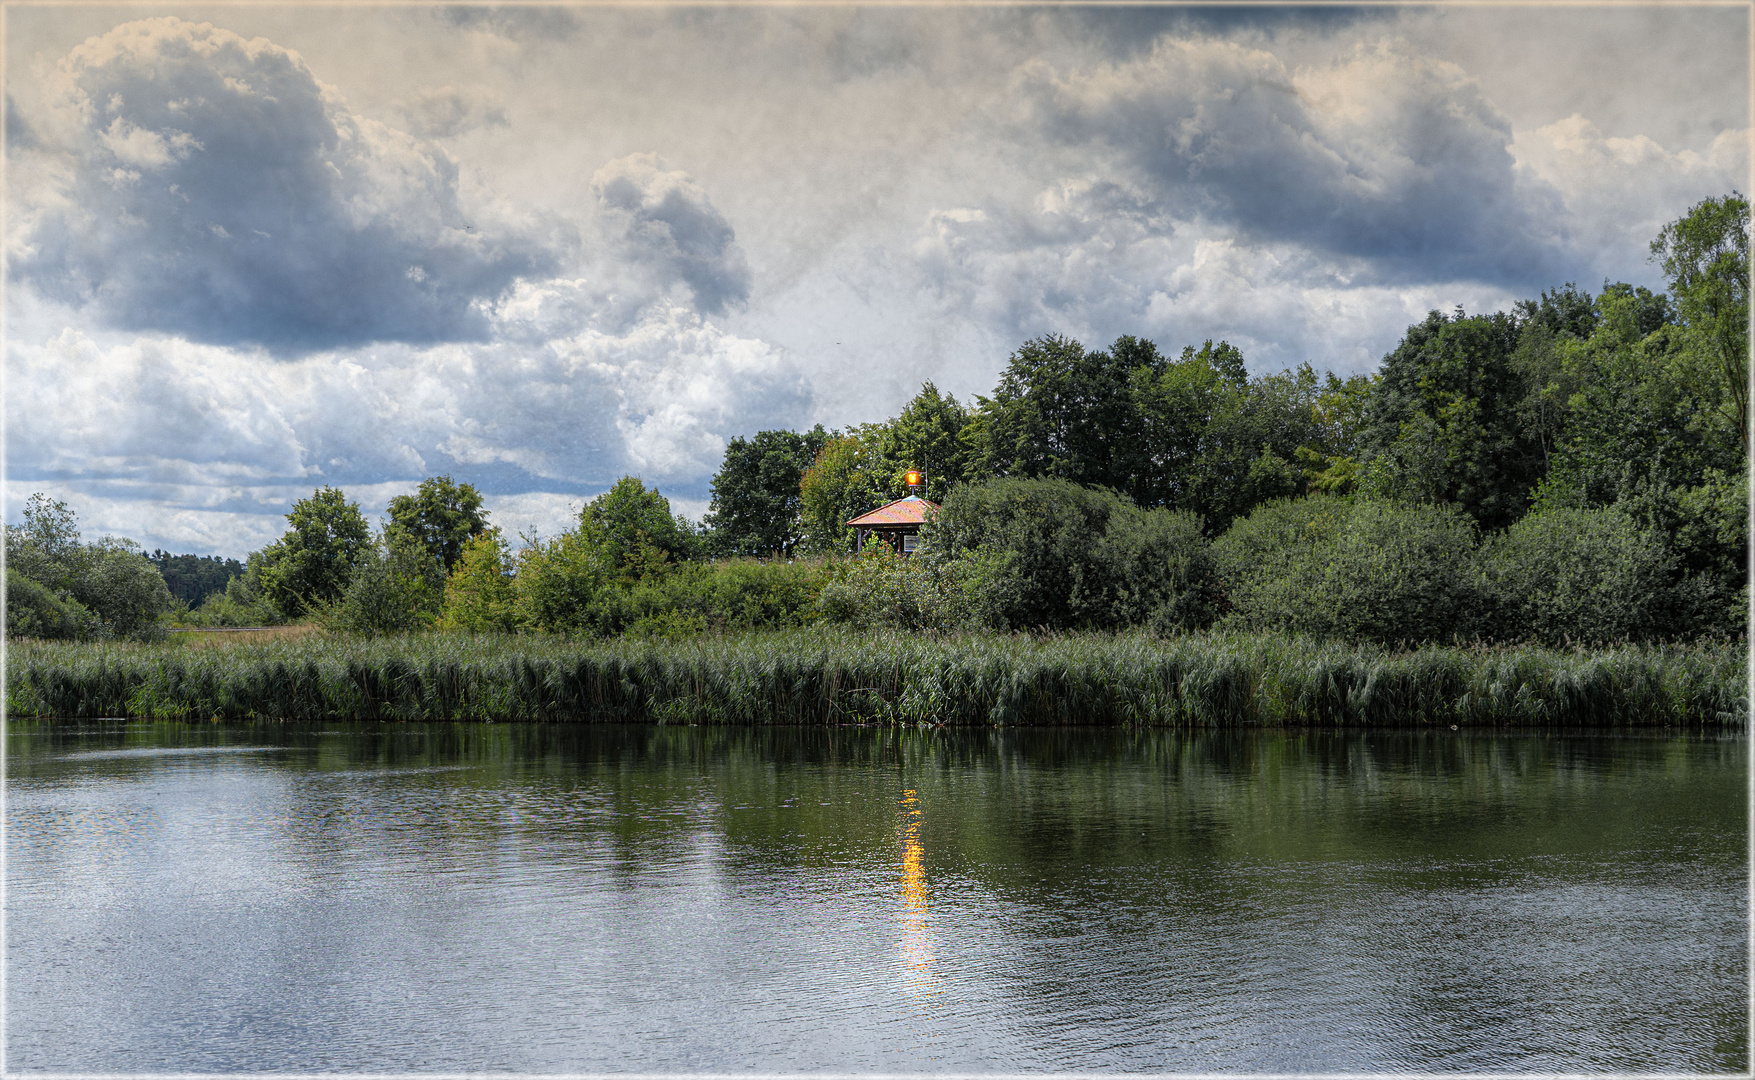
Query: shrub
{"type": "Point", "coordinates": [1354, 569]}
{"type": "Point", "coordinates": [1058, 555]}
{"type": "Point", "coordinates": [880, 588]}
{"type": "Point", "coordinates": [728, 594]}
{"type": "Point", "coordinates": [479, 592]}
{"type": "Point", "coordinates": [241, 604]}
{"type": "Point", "coordinates": [1588, 574]}
{"type": "Point", "coordinates": [396, 586]}
{"type": "Point", "coordinates": [33, 610]}
{"type": "Point", "coordinates": [122, 587]}
{"type": "Point", "coordinates": [558, 583]}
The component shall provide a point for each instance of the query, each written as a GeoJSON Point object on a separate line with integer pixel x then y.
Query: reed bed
{"type": "Point", "coordinates": [827, 676]}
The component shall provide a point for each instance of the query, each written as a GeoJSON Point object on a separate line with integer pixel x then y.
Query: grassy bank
{"type": "Point", "coordinates": [829, 677]}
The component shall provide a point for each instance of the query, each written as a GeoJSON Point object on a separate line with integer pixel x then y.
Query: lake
{"type": "Point", "coordinates": [544, 898]}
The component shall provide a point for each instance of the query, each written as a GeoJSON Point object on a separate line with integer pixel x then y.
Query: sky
{"type": "Point", "coordinates": [253, 250]}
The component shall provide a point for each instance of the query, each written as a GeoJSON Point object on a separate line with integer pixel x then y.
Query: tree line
{"type": "Point", "coordinates": [1515, 474]}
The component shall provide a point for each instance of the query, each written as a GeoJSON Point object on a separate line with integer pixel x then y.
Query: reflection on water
{"type": "Point", "coordinates": [916, 934]}
{"type": "Point", "coordinates": [516, 898]}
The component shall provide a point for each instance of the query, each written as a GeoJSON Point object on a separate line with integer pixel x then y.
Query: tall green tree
{"type": "Point", "coordinates": [1705, 255]}
{"type": "Point", "coordinates": [927, 435]}
{"type": "Point", "coordinates": [847, 479]}
{"type": "Point", "coordinates": [59, 585]}
{"type": "Point", "coordinates": [45, 546]}
{"type": "Point", "coordinates": [635, 525]}
{"type": "Point", "coordinates": [756, 508]}
{"type": "Point", "coordinates": [1443, 424]}
{"type": "Point", "coordinates": [1061, 411]}
{"type": "Point", "coordinates": [312, 562]}
{"type": "Point", "coordinates": [442, 515]}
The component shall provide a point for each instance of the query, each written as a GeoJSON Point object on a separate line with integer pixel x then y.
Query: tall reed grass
{"type": "Point", "coordinates": [827, 676]}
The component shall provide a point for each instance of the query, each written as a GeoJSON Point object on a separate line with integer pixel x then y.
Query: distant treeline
{"type": "Point", "coordinates": [1573, 469]}
{"type": "Point", "coordinates": [193, 578]}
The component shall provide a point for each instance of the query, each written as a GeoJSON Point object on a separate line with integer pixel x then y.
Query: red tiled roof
{"type": "Point", "coordinates": [909, 511]}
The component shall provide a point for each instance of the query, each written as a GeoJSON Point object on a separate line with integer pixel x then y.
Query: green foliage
{"type": "Point", "coordinates": [33, 610]}
{"type": "Point", "coordinates": [927, 435]}
{"type": "Point", "coordinates": [1061, 411]}
{"type": "Point", "coordinates": [725, 595]}
{"type": "Point", "coordinates": [193, 578]}
{"type": "Point", "coordinates": [636, 529]}
{"type": "Point", "coordinates": [1075, 556]}
{"type": "Point", "coordinates": [557, 585]}
{"type": "Point", "coordinates": [1363, 570]}
{"type": "Point", "coordinates": [442, 515]}
{"type": "Point", "coordinates": [1638, 414]}
{"type": "Point", "coordinates": [826, 675]}
{"type": "Point", "coordinates": [124, 590]}
{"type": "Point", "coordinates": [1252, 437]}
{"type": "Point", "coordinates": [311, 564]}
{"type": "Point", "coordinates": [756, 506]}
{"type": "Point", "coordinates": [242, 603]}
{"type": "Point", "coordinates": [1705, 255]}
{"type": "Point", "coordinates": [398, 585]}
{"type": "Point", "coordinates": [100, 589]}
{"type": "Point", "coordinates": [846, 480]}
{"type": "Point", "coordinates": [1575, 574]}
{"type": "Point", "coordinates": [479, 592]}
{"type": "Point", "coordinates": [46, 547]}
{"type": "Point", "coordinates": [883, 589]}
{"type": "Point", "coordinates": [1444, 425]}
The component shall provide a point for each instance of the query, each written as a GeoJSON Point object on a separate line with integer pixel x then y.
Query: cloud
{"type": "Point", "coordinates": [19, 134]}
{"type": "Point", "coordinates": [1094, 260]}
{"type": "Point", "coordinates": [1619, 192]}
{"type": "Point", "coordinates": [211, 188]}
{"type": "Point", "coordinates": [206, 428]}
{"type": "Point", "coordinates": [667, 224]}
{"type": "Point", "coordinates": [1381, 155]}
{"type": "Point", "coordinates": [445, 112]}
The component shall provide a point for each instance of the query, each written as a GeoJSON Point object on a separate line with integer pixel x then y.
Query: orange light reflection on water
{"type": "Point", "coordinates": [916, 935]}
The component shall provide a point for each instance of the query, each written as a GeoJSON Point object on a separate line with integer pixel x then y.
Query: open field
{"type": "Point", "coordinates": [824, 676]}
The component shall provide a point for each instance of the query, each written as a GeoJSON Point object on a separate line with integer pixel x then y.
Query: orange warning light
{"type": "Point", "coordinates": [913, 478]}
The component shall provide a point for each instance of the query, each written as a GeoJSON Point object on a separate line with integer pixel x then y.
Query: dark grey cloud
{"type": "Point", "coordinates": [1129, 31]}
{"type": "Point", "coordinates": [216, 191]}
{"type": "Point", "coordinates": [1394, 159]}
{"type": "Point", "coordinates": [669, 225]}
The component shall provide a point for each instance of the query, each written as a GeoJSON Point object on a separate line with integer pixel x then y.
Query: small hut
{"type": "Point", "coordinates": [896, 524]}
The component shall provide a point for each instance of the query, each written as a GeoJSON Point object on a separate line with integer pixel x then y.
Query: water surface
{"type": "Point", "coordinates": [406, 897]}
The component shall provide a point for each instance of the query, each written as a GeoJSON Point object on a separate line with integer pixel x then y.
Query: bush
{"type": "Point", "coordinates": [880, 588]}
{"type": "Point", "coordinates": [1057, 555]}
{"type": "Point", "coordinates": [122, 587]}
{"type": "Point", "coordinates": [102, 589]}
{"type": "Point", "coordinates": [33, 610]}
{"type": "Point", "coordinates": [1362, 570]}
{"type": "Point", "coordinates": [479, 594]}
{"type": "Point", "coordinates": [728, 594]}
{"type": "Point", "coordinates": [557, 585]}
{"type": "Point", "coordinates": [398, 585]}
{"type": "Point", "coordinates": [241, 604]}
{"type": "Point", "coordinates": [1585, 574]}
